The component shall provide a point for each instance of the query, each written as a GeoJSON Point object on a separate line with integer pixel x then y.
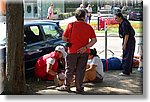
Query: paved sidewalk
{"type": "Point", "coordinates": [113, 84]}
{"type": "Point", "coordinates": [68, 20]}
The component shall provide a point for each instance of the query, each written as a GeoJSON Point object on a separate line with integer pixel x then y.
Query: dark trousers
{"type": "Point", "coordinates": [76, 64]}
{"type": "Point", "coordinates": [128, 55]}
{"type": "Point", "coordinates": [90, 18]}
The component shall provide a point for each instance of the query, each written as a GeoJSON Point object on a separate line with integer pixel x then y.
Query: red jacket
{"type": "Point", "coordinates": [40, 66]}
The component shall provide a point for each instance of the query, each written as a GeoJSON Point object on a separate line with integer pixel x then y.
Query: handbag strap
{"type": "Point", "coordinates": [99, 75]}
{"type": "Point", "coordinates": [71, 30]}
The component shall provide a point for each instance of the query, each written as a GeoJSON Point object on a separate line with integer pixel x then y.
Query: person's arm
{"type": "Point", "coordinates": [120, 35]}
{"type": "Point", "coordinates": [64, 38]}
{"type": "Point", "coordinates": [90, 67]}
{"type": "Point", "coordinates": [125, 26]}
{"type": "Point", "coordinates": [87, 67]}
{"type": "Point", "coordinates": [50, 62]}
{"type": "Point", "coordinates": [50, 71]}
{"type": "Point", "coordinates": [125, 42]}
{"type": "Point", "coordinates": [120, 32]}
{"type": "Point", "coordinates": [90, 44]}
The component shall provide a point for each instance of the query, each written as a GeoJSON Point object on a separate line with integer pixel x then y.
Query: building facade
{"type": "Point", "coordinates": [2, 7]}
{"type": "Point", "coordinates": [37, 9]}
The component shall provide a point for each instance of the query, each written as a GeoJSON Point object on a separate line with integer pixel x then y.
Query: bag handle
{"type": "Point", "coordinates": [71, 31]}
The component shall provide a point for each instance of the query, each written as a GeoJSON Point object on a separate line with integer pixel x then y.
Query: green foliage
{"type": "Point", "coordinates": [62, 16]}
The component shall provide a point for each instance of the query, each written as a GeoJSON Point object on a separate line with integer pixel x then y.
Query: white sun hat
{"type": "Point", "coordinates": [62, 50]}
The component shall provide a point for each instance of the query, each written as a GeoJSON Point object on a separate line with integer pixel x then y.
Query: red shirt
{"type": "Point", "coordinates": [40, 66]}
{"type": "Point", "coordinates": [80, 36]}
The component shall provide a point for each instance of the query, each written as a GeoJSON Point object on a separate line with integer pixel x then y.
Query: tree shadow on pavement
{"type": "Point", "coordinates": [113, 84]}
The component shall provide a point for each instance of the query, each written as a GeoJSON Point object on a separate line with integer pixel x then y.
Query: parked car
{"type": "Point", "coordinates": [116, 10]}
{"type": "Point", "coordinates": [40, 37]}
{"type": "Point", "coordinates": [125, 11]}
{"type": "Point", "coordinates": [136, 14]}
{"type": "Point", "coordinates": [108, 16]}
{"type": "Point", "coordinates": [106, 13]}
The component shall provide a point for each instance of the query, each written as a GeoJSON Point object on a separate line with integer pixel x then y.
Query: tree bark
{"type": "Point", "coordinates": [15, 72]}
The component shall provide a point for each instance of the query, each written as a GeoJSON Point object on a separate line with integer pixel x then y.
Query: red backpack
{"type": "Point", "coordinates": [40, 66]}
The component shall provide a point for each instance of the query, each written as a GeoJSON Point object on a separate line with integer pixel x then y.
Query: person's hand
{"type": "Point", "coordinates": [123, 47]}
{"type": "Point", "coordinates": [82, 50]}
{"type": "Point", "coordinates": [87, 68]}
{"type": "Point", "coordinates": [120, 36]}
{"type": "Point", "coordinates": [51, 72]}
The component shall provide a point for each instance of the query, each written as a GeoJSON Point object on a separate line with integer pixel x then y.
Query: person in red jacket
{"type": "Point", "coordinates": [46, 66]}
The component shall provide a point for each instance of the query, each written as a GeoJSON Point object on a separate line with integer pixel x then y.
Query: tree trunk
{"type": "Point", "coordinates": [15, 72]}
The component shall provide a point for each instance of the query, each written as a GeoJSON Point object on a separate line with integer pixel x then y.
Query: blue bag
{"type": "Point", "coordinates": [112, 63]}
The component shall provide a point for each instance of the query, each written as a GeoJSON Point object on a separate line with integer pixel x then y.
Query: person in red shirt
{"type": "Point", "coordinates": [47, 66]}
{"type": "Point", "coordinates": [81, 37]}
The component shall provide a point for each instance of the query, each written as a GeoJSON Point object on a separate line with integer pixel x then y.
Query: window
{"type": "Point", "coordinates": [35, 29]}
{"type": "Point", "coordinates": [32, 34]}
{"type": "Point", "coordinates": [50, 31]}
{"type": "Point", "coordinates": [29, 8]}
{"type": "Point", "coordinates": [35, 9]}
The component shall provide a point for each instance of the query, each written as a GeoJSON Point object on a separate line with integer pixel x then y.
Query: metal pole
{"type": "Point", "coordinates": [41, 11]}
{"type": "Point", "coordinates": [98, 21]}
{"type": "Point", "coordinates": [105, 41]}
{"type": "Point", "coordinates": [98, 24]}
{"type": "Point", "coordinates": [63, 6]}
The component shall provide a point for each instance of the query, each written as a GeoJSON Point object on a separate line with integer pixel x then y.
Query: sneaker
{"type": "Point", "coordinates": [56, 81]}
{"type": "Point", "coordinates": [122, 74]}
{"type": "Point", "coordinates": [80, 91]}
{"type": "Point", "coordinates": [140, 69]}
{"type": "Point", "coordinates": [63, 88]}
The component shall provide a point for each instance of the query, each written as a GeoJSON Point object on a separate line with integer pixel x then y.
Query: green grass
{"type": "Point", "coordinates": [113, 29]}
{"type": "Point", "coordinates": [52, 32]}
{"type": "Point", "coordinates": [64, 27]}
{"type": "Point", "coordinates": [46, 30]}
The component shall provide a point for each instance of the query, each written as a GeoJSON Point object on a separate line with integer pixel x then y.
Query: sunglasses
{"type": "Point", "coordinates": [58, 51]}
